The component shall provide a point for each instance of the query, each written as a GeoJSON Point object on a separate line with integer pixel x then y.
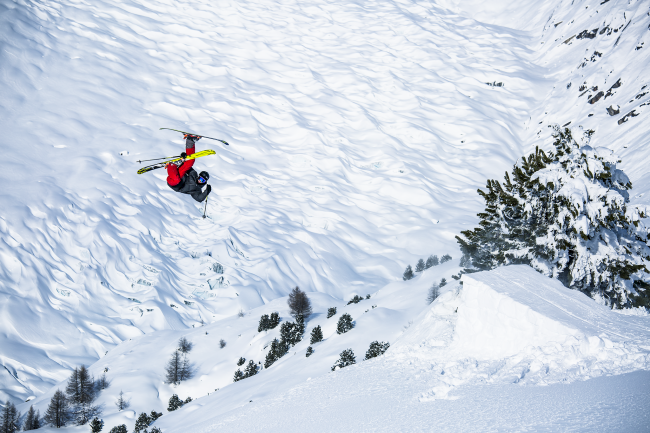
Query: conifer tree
{"type": "Point", "coordinates": [345, 358]}
{"type": "Point", "coordinates": [316, 335]}
{"type": "Point", "coordinates": [344, 324]}
{"type": "Point", "coordinates": [178, 368]}
{"type": "Point", "coordinates": [271, 355]}
{"type": "Point", "coordinates": [251, 369]}
{"type": "Point", "coordinates": [119, 429]}
{"type": "Point", "coordinates": [408, 273]}
{"type": "Point", "coordinates": [443, 282]}
{"type": "Point", "coordinates": [566, 214]}
{"type": "Point", "coordinates": [154, 415]}
{"type": "Point", "coordinates": [434, 292]}
{"type": "Point", "coordinates": [445, 258]}
{"type": "Point", "coordinates": [419, 267]}
{"type": "Point", "coordinates": [174, 403]}
{"type": "Point", "coordinates": [376, 349]}
{"type": "Point", "coordinates": [102, 382]}
{"type": "Point", "coordinates": [142, 423]}
{"type": "Point", "coordinates": [309, 351]}
{"type": "Point", "coordinates": [81, 393]}
{"type": "Point", "coordinates": [331, 312]}
{"type": "Point", "coordinates": [431, 261]}
{"type": "Point", "coordinates": [156, 430]}
{"type": "Point", "coordinates": [299, 304]}
{"type": "Point", "coordinates": [57, 413]}
{"type": "Point", "coordinates": [30, 420]}
{"type": "Point", "coordinates": [264, 323]}
{"type": "Point", "coordinates": [355, 300]}
{"type": "Point", "coordinates": [274, 320]}
{"type": "Point", "coordinates": [238, 376]}
{"type": "Point", "coordinates": [96, 425]}
{"type": "Point", "coordinates": [121, 402]}
{"type": "Point", "coordinates": [9, 418]}
{"type": "Point", "coordinates": [184, 345]}
{"type": "Point", "coordinates": [300, 327]}
{"type": "Point", "coordinates": [241, 361]}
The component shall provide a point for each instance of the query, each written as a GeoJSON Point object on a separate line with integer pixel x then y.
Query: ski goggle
{"type": "Point", "coordinates": [202, 179]}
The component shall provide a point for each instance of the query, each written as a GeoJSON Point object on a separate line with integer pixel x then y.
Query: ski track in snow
{"type": "Point", "coordinates": [359, 134]}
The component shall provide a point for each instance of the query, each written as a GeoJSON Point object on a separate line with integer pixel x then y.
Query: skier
{"type": "Point", "coordinates": [181, 177]}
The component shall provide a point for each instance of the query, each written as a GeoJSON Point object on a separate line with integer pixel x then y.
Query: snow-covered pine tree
{"type": "Point", "coordinates": [376, 349]}
{"type": "Point", "coordinates": [299, 304]}
{"type": "Point", "coordinates": [344, 324]}
{"type": "Point", "coordinates": [251, 369]}
{"type": "Point", "coordinates": [174, 403]}
{"type": "Point", "coordinates": [156, 430]}
{"type": "Point", "coordinates": [238, 376]}
{"type": "Point", "coordinates": [154, 415]}
{"type": "Point", "coordinates": [121, 402]}
{"type": "Point", "coordinates": [96, 425]}
{"type": "Point", "coordinates": [433, 293]}
{"type": "Point", "coordinates": [82, 392]}
{"type": "Point", "coordinates": [445, 259]}
{"type": "Point", "coordinates": [419, 266]}
{"type": "Point", "coordinates": [431, 261]}
{"type": "Point", "coordinates": [345, 358]}
{"type": "Point", "coordinates": [119, 429]}
{"type": "Point", "coordinates": [309, 351]}
{"type": "Point", "coordinates": [566, 214]}
{"type": "Point", "coordinates": [30, 417]}
{"type": "Point", "coordinates": [57, 414]}
{"type": "Point", "coordinates": [241, 361]}
{"type": "Point", "coordinates": [274, 320]}
{"type": "Point", "coordinates": [222, 343]}
{"type": "Point", "coordinates": [443, 282]}
{"type": "Point", "coordinates": [264, 323]}
{"type": "Point", "coordinates": [275, 353]}
{"type": "Point", "coordinates": [184, 345]}
{"type": "Point", "coordinates": [408, 273]}
{"type": "Point", "coordinates": [142, 423]}
{"type": "Point", "coordinates": [9, 418]}
{"type": "Point", "coordinates": [316, 335]}
{"type": "Point", "coordinates": [331, 312]}
{"type": "Point", "coordinates": [300, 327]}
{"type": "Point", "coordinates": [290, 333]}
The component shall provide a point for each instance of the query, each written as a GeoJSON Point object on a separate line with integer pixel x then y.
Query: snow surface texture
{"type": "Point", "coordinates": [359, 134]}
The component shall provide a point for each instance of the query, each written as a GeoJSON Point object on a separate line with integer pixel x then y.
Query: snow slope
{"type": "Point", "coordinates": [359, 134]}
{"type": "Point", "coordinates": [480, 349]}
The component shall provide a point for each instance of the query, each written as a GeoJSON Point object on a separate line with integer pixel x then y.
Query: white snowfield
{"type": "Point", "coordinates": [359, 134]}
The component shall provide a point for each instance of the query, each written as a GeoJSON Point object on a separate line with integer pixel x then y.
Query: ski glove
{"type": "Point", "coordinates": [183, 155]}
{"type": "Point", "coordinates": [208, 189]}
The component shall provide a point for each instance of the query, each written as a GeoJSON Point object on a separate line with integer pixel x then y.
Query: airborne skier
{"type": "Point", "coordinates": [181, 177]}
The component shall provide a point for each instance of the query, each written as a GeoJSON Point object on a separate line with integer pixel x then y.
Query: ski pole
{"type": "Point", "coordinates": [156, 159]}
{"type": "Point", "coordinates": [206, 207]}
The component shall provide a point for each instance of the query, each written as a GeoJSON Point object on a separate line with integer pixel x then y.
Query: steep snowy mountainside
{"type": "Point", "coordinates": [358, 134]}
{"type": "Point", "coordinates": [499, 328]}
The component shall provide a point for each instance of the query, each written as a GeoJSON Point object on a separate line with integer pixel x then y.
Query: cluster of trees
{"type": "Point", "coordinates": [179, 367]}
{"type": "Point", "coordinates": [267, 322]}
{"type": "Point", "coordinates": [422, 265]}
{"type": "Point", "coordinates": [565, 213]}
{"type": "Point", "coordinates": [355, 300]}
{"type": "Point", "coordinates": [144, 421]}
{"type": "Point", "coordinates": [347, 357]}
{"type": "Point", "coordinates": [10, 418]}
{"type": "Point", "coordinates": [250, 370]}
{"type": "Point", "coordinates": [176, 403]}
{"type": "Point", "coordinates": [76, 403]}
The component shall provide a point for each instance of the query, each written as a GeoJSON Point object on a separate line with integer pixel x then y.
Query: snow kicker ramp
{"type": "Point", "coordinates": [515, 324]}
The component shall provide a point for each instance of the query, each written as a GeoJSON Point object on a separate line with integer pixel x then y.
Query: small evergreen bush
{"type": "Point", "coordinates": [316, 335]}
{"type": "Point", "coordinates": [368, 296]}
{"type": "Point", "coordinates": [264, 323]}
{"type": "Point", "coordinates": [251, 369]}
{"type": "Point", "coordinates": [155, 415]}
{"type": "Point", "coordinates": [119, 429]}
{"type": "Point", "coordinates": [174, 403]}
{"type": "Point", "coordinates": [331, 312]}
{"type": "Point", "coordinates": [345, 358]}
{"type": "Point", "coordinates": [445, 258]}
{"type": "Point", "coordinates": [419, 267]}
{"type": "Point", "coordinates": [238, 376]}
{"type": "Point", "coordinates": [344, 324]}
{"type": "Point", "coordinates": [376, 349]}
{"type": "Point", "coordinates": [309, 352]}
{"type": "Point", "coordinates": [96, 425]}
{"type": "Point", "coordinates": [443, 282]}
{"type": "Point", "coordinates": [355, 300]}
{"type": "Point", "coordinates": [274, 320]}
{"type": "Point", "coordinates": [142, 423]}
{"type": "Point", "coordinates": [222, 343]}
{"type": "Point", "coordinates": [431, 261]}
{"type": "Point", "coordinates": [184, 345]}
{"type": "Point", "coordinates": [241, 361]}
{"type": "Point", "coordinates": [408, 273]}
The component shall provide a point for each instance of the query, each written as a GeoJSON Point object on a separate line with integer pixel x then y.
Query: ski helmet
{"type": "Point", "coordinates": [203, 177]}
